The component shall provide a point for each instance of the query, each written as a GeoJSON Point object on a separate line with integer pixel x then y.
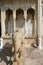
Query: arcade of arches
{"type": "Point", "coordinates": [19, 22]}
{"type": "Point", "coordinates": [26, 27]}
{"type": "Point", "coordinates": [23, 21]}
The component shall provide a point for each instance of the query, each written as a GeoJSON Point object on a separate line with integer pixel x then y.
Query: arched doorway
{"type": "Point", "coordinates": [30, 22]}
{"type": "Point", "coordinates": [9, 22]}
{"type": "Point", "coordinates": [20, 22]}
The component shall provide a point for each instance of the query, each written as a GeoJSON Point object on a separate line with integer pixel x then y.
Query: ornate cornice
{"type": "Point", "coordinates": [15, 1]}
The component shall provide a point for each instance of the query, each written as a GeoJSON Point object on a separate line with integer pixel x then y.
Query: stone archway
{"type": "Point", "coordinates": [31, 11]}
{"type": "Point", "coordinates": [9, 22]}
{"type": "Point", "coordinates": [30, 22]}
{"type": "Point", "coordinates": [20, 22]}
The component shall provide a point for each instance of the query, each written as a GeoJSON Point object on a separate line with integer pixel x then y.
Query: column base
{"type": "Point", "coordinates": [39, 47]}
{"type": "Point", "coordinates": [39, 43]}
{"type": "Point", "coordinates": [3, 35]}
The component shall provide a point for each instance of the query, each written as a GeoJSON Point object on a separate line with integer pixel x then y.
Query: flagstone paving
{"type": "Point", "coordinates": [31, 56]}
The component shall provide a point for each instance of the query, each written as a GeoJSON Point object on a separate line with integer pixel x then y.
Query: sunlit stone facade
{"type": "Point", "coordinates": [23, 19]}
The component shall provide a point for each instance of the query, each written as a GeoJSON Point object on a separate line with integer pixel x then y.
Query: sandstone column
{"type": "Point", "coordinates": [39, 24]}
{"type": "Point", "coordinates": [25, 16]}
{"type": "Point", "coordinates": [14, 17]}
{"type": "Point", "coordinates": [3, 22]}
{"type": "Point", "coordinates": [35, 27]}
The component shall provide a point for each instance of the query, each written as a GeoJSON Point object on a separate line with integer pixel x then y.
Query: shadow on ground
{"type": "Point", "coordinates": [7, 52]}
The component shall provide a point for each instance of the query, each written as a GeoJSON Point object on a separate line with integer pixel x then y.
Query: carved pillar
{"type": "Point", "coordinates": [3, 22]}
{"type": "Point", "coordinates": [25, 16]}
{"type": "Point", "coordinates": [35, 28]}
{"type": "Point", "coordinates": [39, 24]}
{"type": "Point", "coordinates": [14, 17]}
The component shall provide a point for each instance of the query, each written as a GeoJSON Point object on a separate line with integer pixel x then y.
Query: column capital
{"type": "Point", "coordinates": [25, 14]}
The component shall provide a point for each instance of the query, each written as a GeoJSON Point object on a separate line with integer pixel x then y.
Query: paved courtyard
{"type": "Point", "coordinates": [31, 56]}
